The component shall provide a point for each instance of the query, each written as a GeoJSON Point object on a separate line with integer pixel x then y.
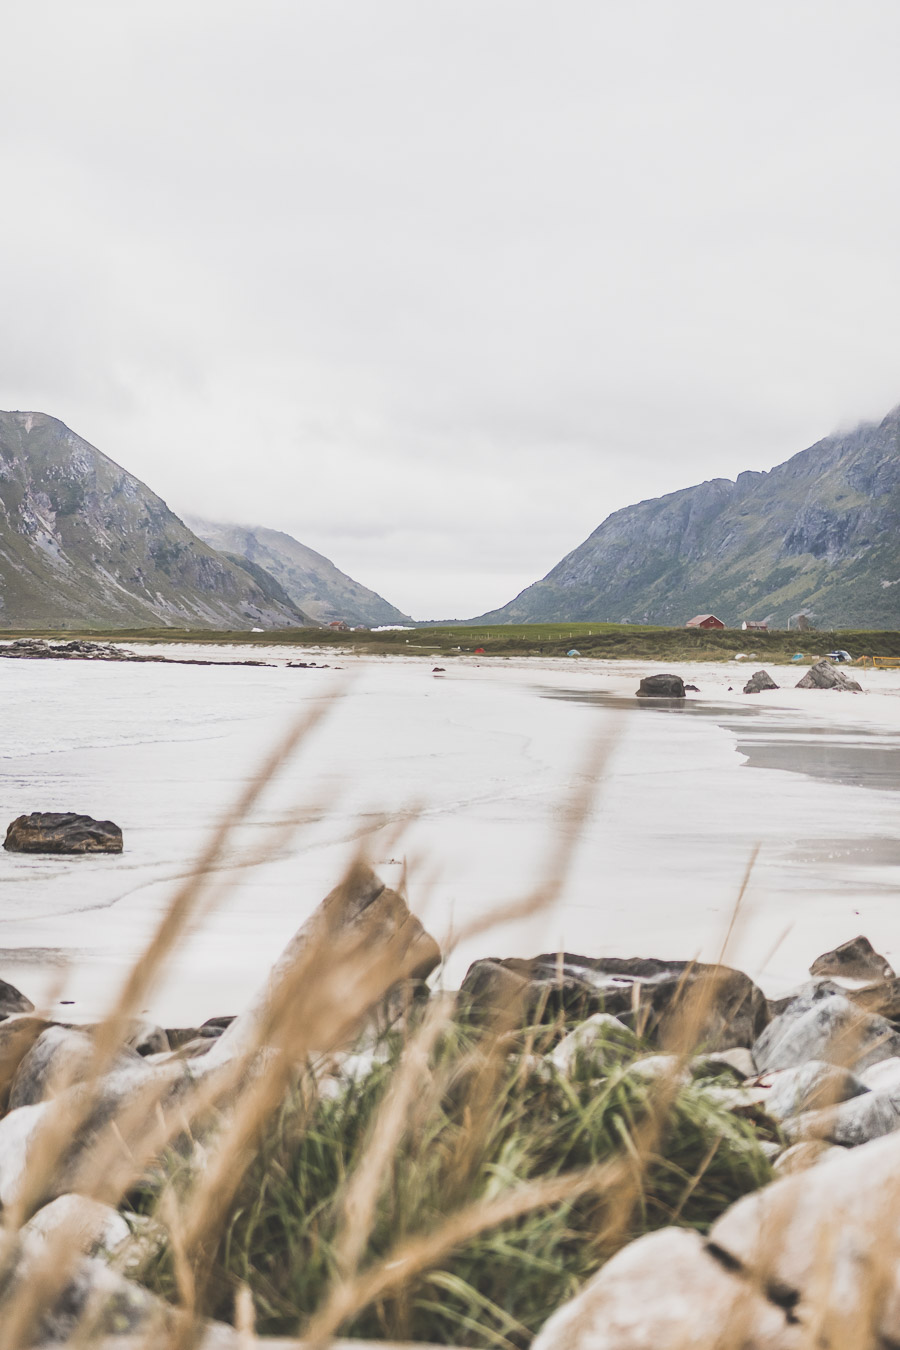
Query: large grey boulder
{"type": "Point", "coordinates": [107, 1116]}
{"type": "Point", "coordinates": [883, 1076]}
{"type": "Point", "coordinates": [59, 1058]}
{"type": "Point", "coordinates": [829, 1028]}
{"type": "Point", "coordinates": [853, 960]}
{"type": "Point", "coordinates": [848, 1123]}
{"type": "Point", "coordinates": [667, 1292]}
{"type": "Point", "coordinates": [734, 1061]}
{"type": "Point", "coordinates": [62, 832]}
{"type": "Point", "coordinates": [592, 1045]}
{"type": "Point", "coordinates": [673, 1002]}
{"type": "Point", "coordinates": [87, 1224]}
{"type": "Point", "coordinates": [90, 1296]}
{"type": "Point", "coordinates": [661, 686]}
{"type": "Point", "coordinates": [758, 681]}
{"type": "Point", "coordinates": [823, 675]}
{"type": "Point", "coordinates": [808, 1087]}
{"type": "Point", "coordinates": [17, 1036]}
{"type": "Point", "coordinates": [362, 923]}
{"type": "Point", "coordinates": [826, 1244]}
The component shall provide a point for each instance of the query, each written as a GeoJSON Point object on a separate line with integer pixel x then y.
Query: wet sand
{"type": "Point", "coordinates": [486, 756]}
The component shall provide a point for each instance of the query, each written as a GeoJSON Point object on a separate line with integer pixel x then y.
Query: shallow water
{"type": "Point", "coordinates": [487, 763]}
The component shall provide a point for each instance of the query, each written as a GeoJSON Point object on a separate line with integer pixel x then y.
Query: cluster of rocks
{"type": "Point", "coordinates": [814, 1257]}
{"type": "Point", "coordinates": [818, 1072]}
{"type": "Point", "coordinates": [40, 649]}
{"type": "Point", "coordinates": [78, 649]}
{"type": "Point", "coordinates": [823, 675]}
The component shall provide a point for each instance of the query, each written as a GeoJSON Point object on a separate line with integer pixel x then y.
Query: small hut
{"type": "Point", "coordinates": [339, 626]}
{"type": "Point", "coordinates": [755, 626]}
{"type": "Point", "coordinates": [704, 621]}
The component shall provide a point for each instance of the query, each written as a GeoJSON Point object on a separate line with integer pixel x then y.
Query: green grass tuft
{"type": "Point", "coordinates": [462, 1145]}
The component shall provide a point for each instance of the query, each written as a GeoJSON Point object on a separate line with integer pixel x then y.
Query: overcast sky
{"type": "Point", "coordinates": [435, 285]}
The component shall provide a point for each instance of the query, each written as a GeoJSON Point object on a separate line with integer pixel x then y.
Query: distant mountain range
{"type": "Point", "coordinates": [819, 534]}
{"type": "Point", "coordinates": [308, 578]}
{"type": "Point", "coordinates": [83, 543]}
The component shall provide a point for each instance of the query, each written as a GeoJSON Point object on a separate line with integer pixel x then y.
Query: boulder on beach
{"type": "Point", "coordinates": [823, 675]}
{"type": "Point", "coordinates": [758, 681]}
{"type": "Point", "coordinates": [665, 1291]}
{"type": "Point", "coordinates": [850, 1123]}
{"type": "Point", "coordinates": [826, 1026]}
{"type": "Point", "coordinates": [62, 832]}
{"type": "Point", "coordinates": [711, 1006]}
{"type": "Point", "coordinates": [59, 1057]}
{"type": "Point", "coordinates": [661, 686]}
{"type": "Point", "coordinates": [824, 1243]}
{"type": "Point", "coordinates": [882, 997]}
{"type": "Point", "coordinates": [853, 960]}
{"type": "Point", "coordinates": [12, 1001]}
{"type": "Point", "coordinates": [374, 943]}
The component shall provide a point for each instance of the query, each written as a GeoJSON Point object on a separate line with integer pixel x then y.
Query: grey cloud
{"type": "Point", "coordinates": [494, 268]}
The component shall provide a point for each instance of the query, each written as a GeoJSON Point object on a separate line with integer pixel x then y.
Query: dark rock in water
{"type": "Point", "coordinates": [661, 686]}
{"type": "Point", "coordinates": [759, 681]}
{"type": "Point", "coordinates": [692, 689]}
{"type": "Point", "coordinates": [62, 832]}
{"type": "Point", "coordinates": [717, 1007]}
{"type": "Point", "coordinates": [854, 960]}
{"type": "Point", "coordinates": [12, 1001]}
{"type": "Point", "coordinates": [823, 675]}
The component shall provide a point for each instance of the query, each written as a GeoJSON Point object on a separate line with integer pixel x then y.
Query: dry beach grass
{"type": "Point", "coordinates": [357, 1157]}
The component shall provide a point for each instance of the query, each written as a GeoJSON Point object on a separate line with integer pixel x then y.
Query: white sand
{"type": "Point", "coordinates": [489, 764]}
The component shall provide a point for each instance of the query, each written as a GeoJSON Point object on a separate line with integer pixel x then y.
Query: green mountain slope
{"type": "Point", "coordinates": [85, 544]}
{"type": "Point", "coordinates": [306, 576]}
{"type": "Point", "coordinates": [819, 534]}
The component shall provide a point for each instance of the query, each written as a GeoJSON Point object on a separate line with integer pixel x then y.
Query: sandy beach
{"type": "Point", "coordinates": [482, 763]}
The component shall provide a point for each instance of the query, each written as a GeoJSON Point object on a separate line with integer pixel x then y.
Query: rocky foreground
{"type": "Point", "coordinates": [809, 1086]}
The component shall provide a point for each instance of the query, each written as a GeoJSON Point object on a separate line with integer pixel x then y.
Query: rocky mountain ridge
{"type": "Point", "coordinates": [819, 534]}
{"type": "Point", "coordinates": [83, 543]}
{"type": "Point", "coordinates": [308, 578]}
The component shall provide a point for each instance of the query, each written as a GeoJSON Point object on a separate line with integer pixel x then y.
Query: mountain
{"type": "Point", "coordinates": [309, 579]}
{"type": "Point", "coordinates": [819, 534]}
{"type": "Point", "coordinates": [85, 544]}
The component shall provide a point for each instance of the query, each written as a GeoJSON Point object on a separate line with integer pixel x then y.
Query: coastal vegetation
{"type": "Point", "coordinates": [493, 1114]}
{"type": "Point", "coordinates": [638, 642]}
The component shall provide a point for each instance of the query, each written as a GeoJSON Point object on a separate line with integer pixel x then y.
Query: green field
{"type": "Point", "coordinates": [624, 641]}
